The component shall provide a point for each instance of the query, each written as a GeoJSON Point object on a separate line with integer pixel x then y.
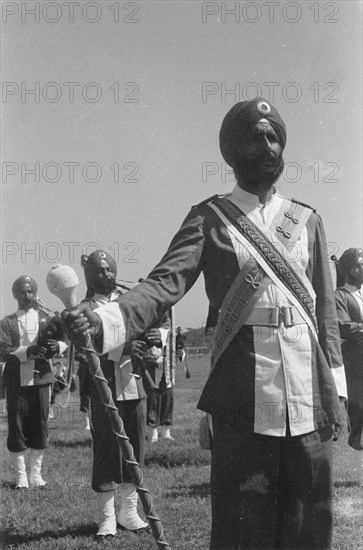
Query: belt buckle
{"type": "Point", "coordinates": [274, 316]}
{"type": "Point", "coordinates": [286, 316]}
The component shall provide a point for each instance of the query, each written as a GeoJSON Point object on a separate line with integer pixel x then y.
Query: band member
{"type": "Point", "coordinates": [160, 402]}
{"type": "Point", "coordinates": [28, 342]}
{"type": "Point", "coordinates": [180, 344]}
{"type": "Point", "coordinates": [109, 469]}
{"type": "Point", "coordinates": [349, 301]}
{"type": "Point", "coordinates": [277, 372]}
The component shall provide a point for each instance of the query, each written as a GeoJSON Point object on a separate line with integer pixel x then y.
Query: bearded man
{"type": "Point", "coordinates": [109, 471]}
{"type": "Point", "coordinates": [276, 373]}
{"type": "Point", "coordinates": [28, 342]}
{"type": "Point", "coordinates": [349, 301]}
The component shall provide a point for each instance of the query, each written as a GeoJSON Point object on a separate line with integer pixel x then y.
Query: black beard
{"type": "Point", "coordinates": [104, 287]}
{"type": "Point", "coordinates": [25, 305]}
{"type": "Point", "coordinates": [255, 174]}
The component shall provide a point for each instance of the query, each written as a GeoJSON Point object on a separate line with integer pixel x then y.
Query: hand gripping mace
{"type": "Point", "coordinates": [63, 281]}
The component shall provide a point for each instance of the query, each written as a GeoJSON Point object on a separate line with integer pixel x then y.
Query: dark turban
{"type": "Point", "coordinates": [241, 119]}
{"type": "Point", "coordinates": [20, 282]}
{"type": "Point", "coordinates": [349, 259]}
{"type": "Point", "coordinates": [92, 263]}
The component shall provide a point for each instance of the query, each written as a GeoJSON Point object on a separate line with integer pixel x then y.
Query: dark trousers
{"type": "Point", "coordinates": [270, 492]}
{"type": "Point", "coordinates": [28, 409]}
{"type": "Point", "coordinates": [84, 386]}
{"type": "Point", "coordinates": [160, 407]}
{"type": "Point", "coordinates": [355, 421]}
{"type": "Point", "coordinates": [109, 468]}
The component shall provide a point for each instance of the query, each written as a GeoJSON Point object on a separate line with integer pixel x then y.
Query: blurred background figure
{"type": "Point", "coordinates": [349, 302]}
{"type": "Point", "coordinates": [160, 364]}
{"type": "Point", "coordinates": [180, 344]}
{"type": "Point", "coordinates": [180, 351]}
{"type": "Point", "coordinates": [29, 340]}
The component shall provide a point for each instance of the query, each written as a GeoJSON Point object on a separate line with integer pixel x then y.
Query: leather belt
{"type": "Point", "coordinates": [274, 316]}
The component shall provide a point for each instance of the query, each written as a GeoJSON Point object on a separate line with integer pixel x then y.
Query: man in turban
{"type": "Point", "coordinates": [277, 372]}
{"type": "Point", "coordinates": [109, 469]}
{"type": "Point", "coordinates": [349, 301]}
{"type": "Point", "coordinates": [28, 342]}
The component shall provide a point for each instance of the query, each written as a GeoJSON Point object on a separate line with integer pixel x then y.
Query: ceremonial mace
{"type": "Point", "coordinates": [62, 281]}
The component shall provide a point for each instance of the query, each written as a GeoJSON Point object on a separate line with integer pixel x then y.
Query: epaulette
{"type": "Point", "coordinates": [303, 204]}
{"type": "Point", "coordinates": [206, 201]}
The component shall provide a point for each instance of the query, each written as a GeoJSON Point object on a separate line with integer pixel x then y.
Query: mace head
{"type": "Point", "coordinates": [62, 281]}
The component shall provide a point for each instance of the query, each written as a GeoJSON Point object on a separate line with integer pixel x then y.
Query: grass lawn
{"type": "Point", "coordinates": [62, 516]}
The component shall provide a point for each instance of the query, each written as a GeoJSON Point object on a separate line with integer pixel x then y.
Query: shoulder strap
{"type": "Point", "coordinates": [244, 293]}
{"type": "Point", "coordinates": [275, 261]}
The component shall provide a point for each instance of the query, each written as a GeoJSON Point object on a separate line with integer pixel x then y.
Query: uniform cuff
{"type": "Point", "coordinates": [340, 381]}
{"type": "Point", "coordinates": [62, 347]}
{"type": "Point", "coordinates": [164, 335]}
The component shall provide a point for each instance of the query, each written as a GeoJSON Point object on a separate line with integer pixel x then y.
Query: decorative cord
{"type": "Point", "coordinates": [126, 447]}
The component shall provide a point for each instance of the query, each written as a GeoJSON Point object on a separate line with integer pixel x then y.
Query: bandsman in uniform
{"type": "Point", "coordinates": [109, 473]}
{"type": "Point", "coordinates": [349, 300]}
{"type": "Point", "coordinates": [28, 342]}
{"type": "Point", "coordinates": [277, 376]}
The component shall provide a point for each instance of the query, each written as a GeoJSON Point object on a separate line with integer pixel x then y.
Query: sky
{"type": "Point", "coordinates": [111, 113]}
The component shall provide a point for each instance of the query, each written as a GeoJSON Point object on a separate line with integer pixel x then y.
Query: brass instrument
{"type": "Point", "coordinates": [39, 305]}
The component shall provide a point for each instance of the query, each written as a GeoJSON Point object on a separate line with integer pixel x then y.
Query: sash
{"type": "Point", "coordinates": [265, 262]}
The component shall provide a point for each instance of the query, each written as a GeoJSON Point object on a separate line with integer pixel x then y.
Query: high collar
{"type": "Point", "coordinates": [21, 312]}
{"type": "Point", "coordinates": [241, 195]}
{"type": "Point", "coordinates": [101, 298]}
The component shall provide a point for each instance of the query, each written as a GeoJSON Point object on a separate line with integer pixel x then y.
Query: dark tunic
{"type": "Point", "coordinates": [28, 406]}
{"type": "Point", "coordinates": [109, 468]}
{"type": "Point", "coordinates": [351, 324]}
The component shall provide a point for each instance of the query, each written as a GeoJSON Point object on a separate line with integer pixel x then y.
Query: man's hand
{"type": "Point", "coordinates": [153, 337]}
{"type": "Point", "coordinates": [81, 323]}
{"type": "Point", "coordinates": [36, 352]}
{"type": "Point", "coordinates": [52, 348]}
{"type": "Point", "coordinates": [138, 349]}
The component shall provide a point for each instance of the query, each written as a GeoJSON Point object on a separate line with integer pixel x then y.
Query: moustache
{"type": "Point", "coordinates": [108, 283]}
{"type": "Point", "coordinates": [267, 160]}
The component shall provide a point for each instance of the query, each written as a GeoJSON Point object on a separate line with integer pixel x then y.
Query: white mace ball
{"type": "Point", "coordinates": [62, 281]}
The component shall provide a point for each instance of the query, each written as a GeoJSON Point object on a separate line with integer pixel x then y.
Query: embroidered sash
{"type": "Point", "coordinates": [265, 262]}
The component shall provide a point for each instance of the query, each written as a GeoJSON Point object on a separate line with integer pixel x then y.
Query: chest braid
{"type": "Point", "coordinates": [272, 256]}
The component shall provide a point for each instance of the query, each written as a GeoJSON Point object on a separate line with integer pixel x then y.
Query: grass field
{"type": "Point", "coordinates": [62, 516]}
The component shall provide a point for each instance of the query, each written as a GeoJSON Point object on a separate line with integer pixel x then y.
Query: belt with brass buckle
{"type": "Point", "coordinates": [274, 316]}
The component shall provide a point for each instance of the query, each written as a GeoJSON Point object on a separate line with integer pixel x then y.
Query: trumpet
{"type": "Point", "coordinates": [39, 305]}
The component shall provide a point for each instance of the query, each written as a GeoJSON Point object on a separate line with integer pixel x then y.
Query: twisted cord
{"type": "Point", "coordinates": [118, 429]}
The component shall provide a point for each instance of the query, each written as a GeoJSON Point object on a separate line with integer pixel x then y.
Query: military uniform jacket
{"type": "Point", "coordinates": [350, 321]}
{"type": "Point", "coordinates": [309, 377]}
{"type": "Point", "coordinates": [14, 355]}
{"type": "Point", "coordinates": [116, 367]}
